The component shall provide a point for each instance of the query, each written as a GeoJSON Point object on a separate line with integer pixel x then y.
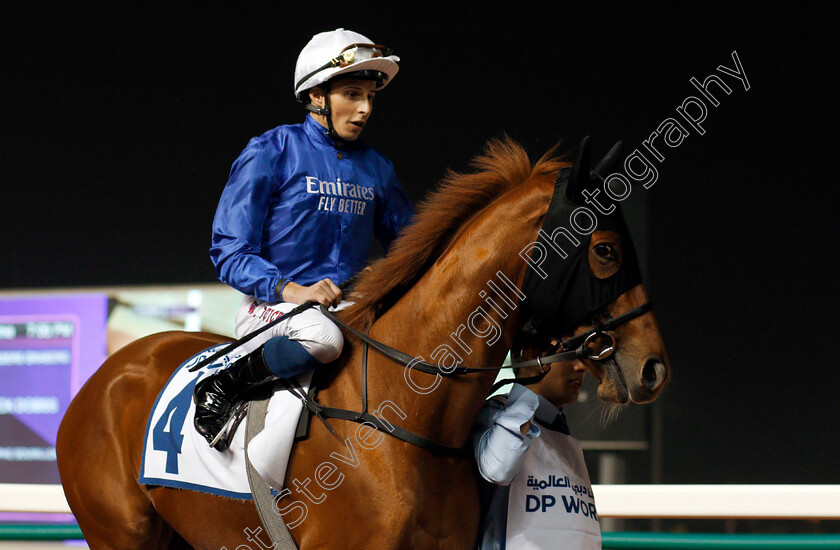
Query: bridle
{"type": "Point", "coordinates": [584, 345]}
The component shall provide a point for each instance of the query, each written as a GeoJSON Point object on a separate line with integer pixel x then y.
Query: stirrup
{"type": "Point", "coordinates": [223, 439]}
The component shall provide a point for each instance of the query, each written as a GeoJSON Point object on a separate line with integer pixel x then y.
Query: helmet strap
{"type": "Point", "coordinates": [322, 111]}
{"type": "Point", "coordinates": [325, 111]}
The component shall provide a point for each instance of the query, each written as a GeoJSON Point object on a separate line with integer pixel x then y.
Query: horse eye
{"type": "Point", "coordinates": [604, 251]}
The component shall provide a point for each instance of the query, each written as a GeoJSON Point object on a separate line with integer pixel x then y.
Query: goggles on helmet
{"type": "Point", "coordinates": [349, 55]}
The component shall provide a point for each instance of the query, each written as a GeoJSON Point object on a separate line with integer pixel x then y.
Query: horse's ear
{"type": "Point", "coordinates": [606, 165]}
{"type": "Point", "coordinates": [579, 177]}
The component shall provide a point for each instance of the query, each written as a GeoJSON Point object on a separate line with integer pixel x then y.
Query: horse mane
{"type": "Point", "coordinates": [503, 165]}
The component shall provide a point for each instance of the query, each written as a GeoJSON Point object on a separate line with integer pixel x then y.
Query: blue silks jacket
{"type": "Point", "coordinates": [297, 208]}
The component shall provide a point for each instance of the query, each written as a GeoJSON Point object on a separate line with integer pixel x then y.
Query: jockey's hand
{"type": "Point", "coordinates": [325, 292]}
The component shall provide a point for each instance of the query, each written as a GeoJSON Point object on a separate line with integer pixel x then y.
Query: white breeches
{"type": "Point", "coordinates": [310, 328]}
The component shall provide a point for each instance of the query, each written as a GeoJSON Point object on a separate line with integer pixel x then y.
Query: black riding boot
{"type": "Point", "coordinates": [216, 395]}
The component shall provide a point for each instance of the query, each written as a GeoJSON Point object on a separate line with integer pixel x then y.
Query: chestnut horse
{"type": "Point", "coordinates": [448, 292]}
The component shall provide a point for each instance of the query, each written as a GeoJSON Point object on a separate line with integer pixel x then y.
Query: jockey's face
{"type": "Point", "coordinates": [351, 102]}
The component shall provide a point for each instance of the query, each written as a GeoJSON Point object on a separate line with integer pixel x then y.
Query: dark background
{"type": "Point", "coordinates": [120, 125]}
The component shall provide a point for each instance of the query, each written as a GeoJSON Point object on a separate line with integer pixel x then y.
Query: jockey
{"type": "Point", "coordinates": [539, 494]}
{"type": "Point", "coordinates": [297, 216]}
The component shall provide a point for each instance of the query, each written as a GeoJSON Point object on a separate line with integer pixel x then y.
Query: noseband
{"type": "Point", "coordinates": [586, 345]}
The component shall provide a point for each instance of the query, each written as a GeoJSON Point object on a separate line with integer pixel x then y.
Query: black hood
{"type": "Point", "coordinates": [562, 292]}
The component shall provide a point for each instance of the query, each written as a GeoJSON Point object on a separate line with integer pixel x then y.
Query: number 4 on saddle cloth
{"type": "Point", "coordinates": [175, 455]}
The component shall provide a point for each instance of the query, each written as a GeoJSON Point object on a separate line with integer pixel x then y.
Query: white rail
{"type": "Point", "coordinates": [21, 497]}
{"type": "Point", "coordinates": [618, 501]}
{"type": "Point", "coordinates": [719, 501]}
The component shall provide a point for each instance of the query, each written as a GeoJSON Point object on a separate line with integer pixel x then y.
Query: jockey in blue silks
{"type": "Point", "coordinates": [298, 213]}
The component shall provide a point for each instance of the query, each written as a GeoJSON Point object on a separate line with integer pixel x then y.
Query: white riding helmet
{"type": "Point", "coordinates": [332, 53]}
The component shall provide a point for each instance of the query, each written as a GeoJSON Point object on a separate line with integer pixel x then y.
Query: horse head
{"type": "Point", "coordinates": [583, 288]}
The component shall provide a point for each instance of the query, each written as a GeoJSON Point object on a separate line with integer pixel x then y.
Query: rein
{"type": "Point", "coordinates": [251, 335]}
{"type": "Point", "coordinates": [579, 346]}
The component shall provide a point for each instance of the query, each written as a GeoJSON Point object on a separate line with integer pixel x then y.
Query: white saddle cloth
{"type": "Point", "coordinates": [175, 455]}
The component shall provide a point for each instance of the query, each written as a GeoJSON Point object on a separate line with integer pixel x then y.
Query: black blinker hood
{"type": "Point", "coordinates": [562, 293]}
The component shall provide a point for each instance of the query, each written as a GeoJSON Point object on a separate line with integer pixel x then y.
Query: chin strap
{"type": "Point", "coordinates": [326, 111]}
{"type": "Point", "coordinates": [323, 111]}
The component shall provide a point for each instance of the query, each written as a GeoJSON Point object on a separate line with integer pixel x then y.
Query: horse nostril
{"type": "Point", "coordinates": [653, 373]}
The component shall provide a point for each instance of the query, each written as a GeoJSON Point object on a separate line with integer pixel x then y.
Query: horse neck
{"type": "Point", "coordinates": [463, 310]}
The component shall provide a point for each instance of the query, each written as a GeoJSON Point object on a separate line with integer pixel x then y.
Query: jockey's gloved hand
{"type": "Point", "coordinates": [324, 292]}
